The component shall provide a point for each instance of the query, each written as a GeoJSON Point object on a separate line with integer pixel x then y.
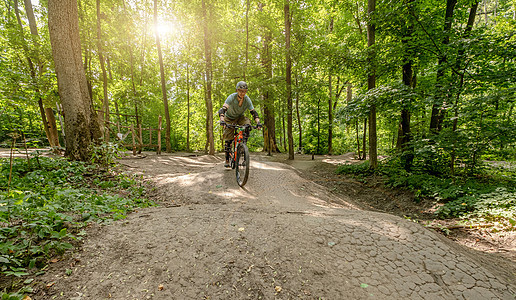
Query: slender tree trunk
{"type": "Point", "coordinates": [364, 140]}
{"type": "Point", "coordinates": [187, 107]}
{"type": "Point", "coordinates": [288, 80]}
{"type": "Point", "coordinates": [330, 115]}
{"type": "Point", "coordinates": [358, 141]}
{"type": "Point", "coordinates": [209, 104]}
{"type": "Point", "coordinates": [52, 126]}
{"type": "Point", "coordinates": [371, 83]}
{"type": "Point", "coordinates": [163, 81]}
{"type": "Point", "coordinates": [269, 111]}
{"type": "Point", "coordinates": [462, 71]}
{"type": "Point", "coordinates": [105, 102]}
{"type": "Point", "coordinates": [318, 126]}
{"type": "Point", "coordinates": [406, 134]}
{"type": "Point", "coordinates": [81, 127]}
{"type": "Point", "coordinates": [437, 112]}
{"type": "Point", "coordinates": [135, 93]}
{"type": "Point", "coordinates": [247, 38]}
{"type": "Point", "coordinates": [32, 69]}
{"type": "Point", "coordinates": [330, 105]}
{"type": "Point", "coordinates": [300, 146]}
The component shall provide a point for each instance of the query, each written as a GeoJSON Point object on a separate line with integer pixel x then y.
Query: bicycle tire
{"type": "Point", "coordinates": [242, 165]}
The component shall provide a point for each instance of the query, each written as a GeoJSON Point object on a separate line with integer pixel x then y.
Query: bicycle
{"type": "Point", "coordinates": [239, 153]}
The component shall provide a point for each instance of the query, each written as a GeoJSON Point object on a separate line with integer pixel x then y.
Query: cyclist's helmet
{"type": "Point", "coordinates": [241, 85]}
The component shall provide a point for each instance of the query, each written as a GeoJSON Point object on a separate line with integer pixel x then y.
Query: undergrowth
{"type": "Point", "coordinates": [486, 196]}
{"type": "Point", "coordinates": [45, 203]}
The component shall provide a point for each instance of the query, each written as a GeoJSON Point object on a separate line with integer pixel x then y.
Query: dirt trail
{"type": "Point", "coordinates": [282, 237]}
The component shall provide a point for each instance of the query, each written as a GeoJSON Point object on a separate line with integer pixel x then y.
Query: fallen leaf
{"type": "Point", "coordinates": [50, 284]}
{"type": "Point", "coordinates": [160, 287]}
{"type": "Point", "coordinates": [27, 298]}
{"type": "Point", "coordinates": [241, 229]}
{"type": "Point", "coordinates": [278, 288]}
{"type": "Point", "coordinates": [54, 260]}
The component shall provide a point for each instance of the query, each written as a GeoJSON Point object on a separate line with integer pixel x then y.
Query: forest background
{"type": "Point", "coordinates": [443, 87]}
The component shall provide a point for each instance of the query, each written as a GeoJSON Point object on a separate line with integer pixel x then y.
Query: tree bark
{"type": "Point", "coordinates": [34, 73]}
{"type": "Point", "coordinates": [268, 110]}
{"type": "Point", "coordinates": [105, 101]}
{"type": "Point", "coordinates": [437, 112]}
{"type": "Point", "coordinates": [209, 103]}
{"type": "Point", "coordinates": [187, 107]}
{"type": "Point", "coordinates": [406, 135]}
{"type": "Point", "coordinates": [300, 145]}
{"type": "Point", "coordinates": [330, 105]}
{"type": "Point", "coordinates": [163, 82]}
{"type": "Point", "coordinates": [288, 72]}
{"type": "Point", "coordinates": [371, 83]}
{"type": "Point", "coordinates": [81, 126]}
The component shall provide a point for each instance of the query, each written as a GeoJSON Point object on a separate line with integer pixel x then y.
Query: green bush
{"type": "Point", "coordinates": [46, 203]}
{"type": "Point", "coordinates": [490, 196]}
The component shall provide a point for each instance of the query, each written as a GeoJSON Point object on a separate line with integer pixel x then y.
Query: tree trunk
{"type": "Point", "coordinates": [318, 151]}
{"type": "Point", "coordinates": [52, 127]}
{"type": "Point", "coordinates": [330, 116]}
{"type": "Point", "coordinates": [163, 82]}
{"type": "Point", "coordinates": [81, 127]}
{"type": "Point", "coordinates": [246, 38]}
{"type": "Point", "coordinates": [269, 113]}
{"type": "Point", "coordinates": [105, 101]}
{"type": "Point", "coordinates": [300, 145]}
{"type": "Point", "coordinates": [135, 93]}
{"type": "Point", "coordinates": [187, 108]}
{"type": "Point", "coordinates": [364, 139]}
{"type": "Point", "coordinates": [330, 105]}
{"type": "Point", "coordinates": [371, 83]}
{"type": "Point", "coordinates": [288, 80]}
{"type": "Point", "coordinates": [47, 124]}
{"type": "Point", "coordinates": [407, 155]}
{"type": "Point", "coordinates": [458, 65]}
{"type": "Point", "coordinates": [358, 141]}
{"type": "Point", "coordinates": [209, 104]}
{"type": "Point", "coordinates": [437, 113]}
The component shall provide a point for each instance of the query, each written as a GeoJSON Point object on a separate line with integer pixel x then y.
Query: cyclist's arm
{"type": "Point", "coordinates": [255, 115]}
{"type": "Point", "coordinates": [222, 111]}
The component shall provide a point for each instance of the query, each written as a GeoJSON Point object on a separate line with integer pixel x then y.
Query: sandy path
{"type": "Point", "coordinates": [282, 237]}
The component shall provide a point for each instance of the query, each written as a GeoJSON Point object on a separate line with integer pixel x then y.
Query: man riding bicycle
{"type": "Point", "coordinates": [232, 112]}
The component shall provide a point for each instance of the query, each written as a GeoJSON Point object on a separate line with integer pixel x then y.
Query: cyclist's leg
{"type": "Point", "coordinates": [228, 138]}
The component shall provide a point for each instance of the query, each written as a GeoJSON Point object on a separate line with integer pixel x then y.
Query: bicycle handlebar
{"type": "Point", "coordinates": [241, 126]}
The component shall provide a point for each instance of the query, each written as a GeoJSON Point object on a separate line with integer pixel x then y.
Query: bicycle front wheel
{"type": "Point", "coordinates": [242, 165]}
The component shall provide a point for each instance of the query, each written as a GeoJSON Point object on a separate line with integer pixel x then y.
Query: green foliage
{"type": "Point", "coordinates": [361, 169]}
{"type": "Point", "coordinates": [105, 154]}
{"type": "Point", "coordinates": [46, 203]}
{"type": "Point", "coordinates": [491, 197]}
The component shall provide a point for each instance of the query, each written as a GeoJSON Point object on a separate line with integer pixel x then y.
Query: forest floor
{"type": "Point", "coordinates": [297, 230]}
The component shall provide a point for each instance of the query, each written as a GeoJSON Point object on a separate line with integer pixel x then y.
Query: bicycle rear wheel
{"type": "Point", "coordinates": [242, 166]}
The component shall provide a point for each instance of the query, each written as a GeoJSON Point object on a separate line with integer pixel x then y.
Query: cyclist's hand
{"type": "Point", "coordinates": [223, 124]}
{"type": "Point", "coordinates": [259, 125]}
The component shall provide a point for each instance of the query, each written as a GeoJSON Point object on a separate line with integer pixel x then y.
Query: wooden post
{"type": "Point", "coordinates": [140, 138]}
{"type": "Point", "coordinates": [150, 137]}
{"type": "Point", "coordinates": [159, 136]}
{"type": "Point", "coordinates": [134, 143]}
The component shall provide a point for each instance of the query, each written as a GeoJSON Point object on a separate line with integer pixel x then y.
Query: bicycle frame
{"type": "Point", "coordinates": [238, 138]}
{"type": "Point", "coordinates": [239, 153]}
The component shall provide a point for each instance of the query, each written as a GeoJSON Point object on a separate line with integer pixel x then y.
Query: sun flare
{"type": "Point", "coordinates": [166, 28]}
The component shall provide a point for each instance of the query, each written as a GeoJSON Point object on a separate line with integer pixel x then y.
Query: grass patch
{"type": "Point", "coordinates": [44, 205]}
